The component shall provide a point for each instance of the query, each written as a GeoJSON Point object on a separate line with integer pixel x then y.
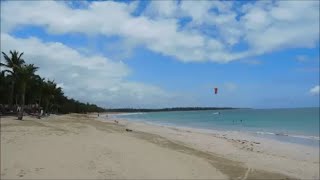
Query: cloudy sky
{"type": "Point", "coordinates": [260, 54]}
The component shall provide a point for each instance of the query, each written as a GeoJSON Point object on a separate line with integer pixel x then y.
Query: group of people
{"type": "Point", "coordinates": [235, 121]}
{"type": "Point", "coordinates": [108, 117]}
{"type": "Point", "coordinates": [33, 109]}
{"type": "Point", "coordinates": [7, 109]}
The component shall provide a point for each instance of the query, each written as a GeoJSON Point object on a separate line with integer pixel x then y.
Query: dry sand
{"type": "Point", "coordinates": [81, 147]}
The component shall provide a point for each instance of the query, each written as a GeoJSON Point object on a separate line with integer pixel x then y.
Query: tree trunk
{"type": "Point", "coordinates": [47, 107]}
{"type": "Point", "coordinates": [40, 100]}
{"type": "Point", "coordinates": [16, 99]}
{"type": "Point", "coordinates": [11, 94]}
{"type": "Point", "coordinates": [23, 92]}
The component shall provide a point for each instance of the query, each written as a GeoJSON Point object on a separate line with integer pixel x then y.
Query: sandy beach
{"type": "Point", "coordinates": [85, 147]}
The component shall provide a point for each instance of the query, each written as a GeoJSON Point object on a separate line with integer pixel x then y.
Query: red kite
{"type": "Point", "coordinates": [215, 90]}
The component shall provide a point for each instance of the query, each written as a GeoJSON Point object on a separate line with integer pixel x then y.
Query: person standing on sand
{"type": "Point", "coordinates": [41, 112]}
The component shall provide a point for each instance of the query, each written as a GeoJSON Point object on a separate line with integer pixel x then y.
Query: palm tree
{"type": "Point", "coordinates": [48, 93]}
{"type": "Point", "coordinates": [5, 82]}
{"type": "Point", "coordinates": [12, 64]}
{"type": "Point", "coordinates": [35, 90]}
{"type": "Point", "coordinates": [17, 79]}
{"type": "Point", "coordinates": [57, 97]}
{"type": "Point", "coordinates": [25, 74]}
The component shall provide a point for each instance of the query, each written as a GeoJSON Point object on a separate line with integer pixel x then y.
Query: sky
{"type": "Point", "coordinates": [154, 54]}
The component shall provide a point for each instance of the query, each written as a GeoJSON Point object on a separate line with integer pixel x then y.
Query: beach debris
{"type": "Point", "coordinates": [249, 149]}
{"type": "Point", "coordinates": [21, 173]}
{"type": "Point", "coordinates": [129, 130]}
{"type": "Point", "coordinates": [116, 121]}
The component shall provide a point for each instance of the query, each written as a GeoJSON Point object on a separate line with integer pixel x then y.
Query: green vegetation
{"type": "Point", "coordinates": [21, 86]}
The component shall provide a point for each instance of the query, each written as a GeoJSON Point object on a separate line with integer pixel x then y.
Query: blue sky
{"type": "Point", "coordinates": [167, 53]}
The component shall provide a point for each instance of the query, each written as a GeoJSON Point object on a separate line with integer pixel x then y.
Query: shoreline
{"type": "Point", "coordinates": [285, 138]}
{"type": "Point", "coordinates": [301, 139]}
{"type": "Point", "coordinates": [84, 146]}
{"type": "Point", "coordinates": [265, 153]}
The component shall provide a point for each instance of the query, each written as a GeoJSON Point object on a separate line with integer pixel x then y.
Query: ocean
{"type": "Point", "coordinates": [298, 125]}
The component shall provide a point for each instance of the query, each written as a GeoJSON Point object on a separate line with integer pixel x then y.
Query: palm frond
{"type": "Point", "coordinates": [8, 71]}
{"type": "Point", "coordinates": [20, 55]}
{"type": "Point", "coordinates": [6, 57]}
{"type": "Point", "coordinates": [1, 64]}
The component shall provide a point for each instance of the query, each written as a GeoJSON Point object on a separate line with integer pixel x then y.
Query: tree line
{"type": "Point", "coordinates": [22, 89]}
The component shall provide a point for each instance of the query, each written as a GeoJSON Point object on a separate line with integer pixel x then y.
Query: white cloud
{"type": "Point", "coordinates": [160, 36]}
{"type": "Point", "coordinates": [162, 9]}
{"type": "Point", "coordinates": [263, 26]}
{"type": "Point", "coordinates": [95, 79]}
{"type": "Point", "coordinates": [315, 90]}
{"type": "Point", "coordinates": [283, 24]}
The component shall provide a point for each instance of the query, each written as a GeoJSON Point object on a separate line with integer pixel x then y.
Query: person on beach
{"type": "Point", "coordinates": [41, 112]}
{"type": "Point", "coordinates": [18, 109]}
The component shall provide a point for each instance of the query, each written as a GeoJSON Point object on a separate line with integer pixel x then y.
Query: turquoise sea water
{"type": "Point", "coordinates": [300, 125]}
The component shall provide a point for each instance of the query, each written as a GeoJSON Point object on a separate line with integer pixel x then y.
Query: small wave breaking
{"type": "Point", "coordinates": [290, 135]}
{"type": "Point", "coordinates": [128, 114]}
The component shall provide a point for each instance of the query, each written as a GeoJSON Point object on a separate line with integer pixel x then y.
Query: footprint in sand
{"type": "Point", "coordinates": [38, 169]}
{"type": "Point", "coordinates": [108, 172]}
{"type": "Point", "coordinates": [21, 173]}
{"type": "Point", "coordinates": [92, 165]}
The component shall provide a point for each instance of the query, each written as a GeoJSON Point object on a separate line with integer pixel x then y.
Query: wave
{"type": "Point", "coordinates": [127, 114]}
{"type": "Point", "coordinates": [289, 135]}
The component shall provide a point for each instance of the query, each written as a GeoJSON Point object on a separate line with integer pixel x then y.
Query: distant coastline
{"type": "Point", "coordinates": [170, 109]}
